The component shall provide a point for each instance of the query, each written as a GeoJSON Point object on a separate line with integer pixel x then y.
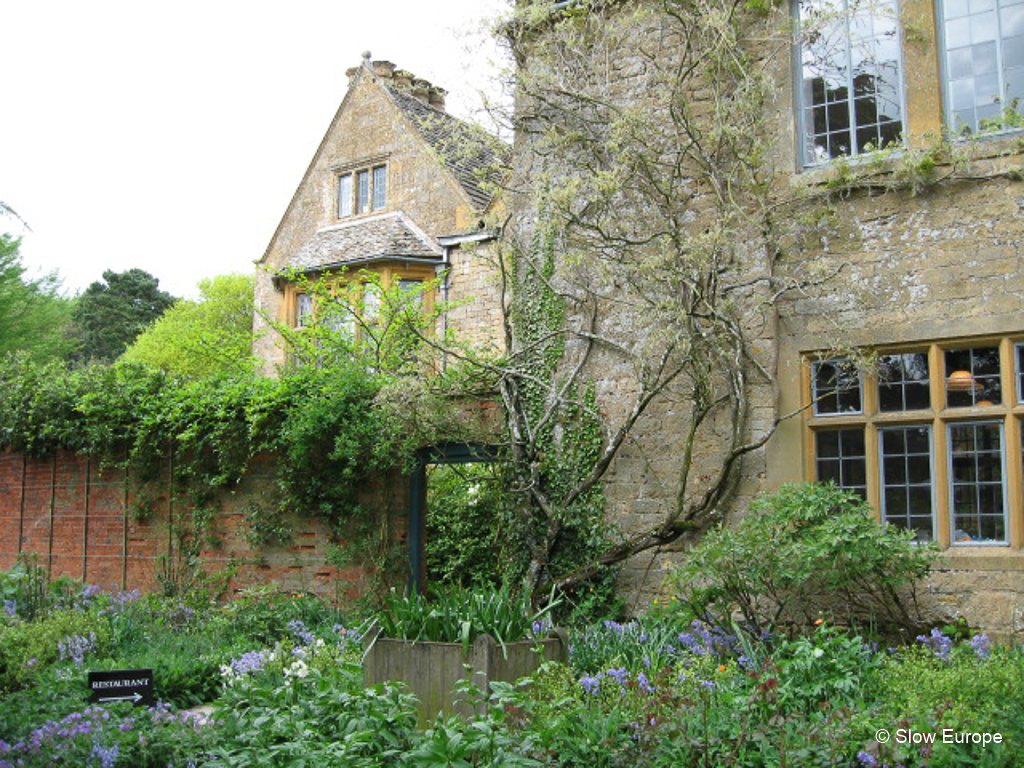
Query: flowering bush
{"type": "Point", "coordinates": [116, 735]}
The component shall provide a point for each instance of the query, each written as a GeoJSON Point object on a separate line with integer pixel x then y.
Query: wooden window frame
{"type": "Point", "coordinates": [1009, 413]}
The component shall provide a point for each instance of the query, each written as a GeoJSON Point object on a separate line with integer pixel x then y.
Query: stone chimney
{"type": "Point", "coordinates": [385, 70]}
{"type": "Point", "coordinates": [436, 96]}
{"type": "Point", "coordinates": [421, 90]}
{"type": "Point", "coordinates": [403, 80]}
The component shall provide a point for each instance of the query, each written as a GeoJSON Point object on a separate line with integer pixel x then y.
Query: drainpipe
{"type": "Point", "coordinates": [442, 271]}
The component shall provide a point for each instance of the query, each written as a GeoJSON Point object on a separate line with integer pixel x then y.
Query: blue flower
{"type": "Point", "coordinates": [107, 756]}
{"type": "Point", "coordinates": [590, 684]}
{"type": "Point", "coordinates": [867, 760]}
{"type": "Point", "coordinates": [938, 642]}
{"type": "Point", "coordinates": [982, 646]}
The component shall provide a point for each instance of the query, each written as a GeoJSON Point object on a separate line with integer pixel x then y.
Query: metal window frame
{"type": "Point", "coordinates": [798, 91]}
{"type": "Point", "coordinates": [882, 511]}
{"type": "Point", "coordinates": [946, 93]}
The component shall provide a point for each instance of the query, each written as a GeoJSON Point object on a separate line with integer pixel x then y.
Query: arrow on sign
{"type": "Point", "coordinates": [135, 698]}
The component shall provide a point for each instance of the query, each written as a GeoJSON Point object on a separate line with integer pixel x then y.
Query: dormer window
{"type": "Point", "coordinates": [362, 190]}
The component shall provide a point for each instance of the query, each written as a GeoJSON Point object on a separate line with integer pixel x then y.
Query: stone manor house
{"type": "Point", "coordinates": [930, 282]}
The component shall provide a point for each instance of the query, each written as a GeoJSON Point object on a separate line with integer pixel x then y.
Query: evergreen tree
{"type": "Point", "coordinates": [111, 314]}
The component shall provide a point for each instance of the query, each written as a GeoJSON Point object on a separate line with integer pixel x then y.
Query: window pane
{"type": "Point", "coordinates": [840, 458]}
{"type": "Point", "coordinates": [345, 195]}
{"type": "Point", "coordinates": [980, 37]}
{"type": "Point", "coordinates": [836, 387]}
{"type": "Point", "coordinates": [907, 479]}
{"type": "Point", "coordinates": [903, 382]}
{"type": "Point", "coordinates": [977, 493]}
{"type": "Point", "coordinates": [371, 303]}
{"type": "Point", "coordinates": [850, 63]}
{"type": "Point", "coordinates": [972, 377]}
{"type": "Point", "coordinates": [362, 191]}
{"type": "Point", "coordinates": [411, 288]}
{"type": "Point", "coordinates": [380, 187]}
{"type": "Point", "coordinates": [303, 310]}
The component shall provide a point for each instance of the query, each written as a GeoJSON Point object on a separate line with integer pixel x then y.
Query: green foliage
{"type": "Point", "coordinates": [965, 693]}
{"type": "Point", "coordinates": [565, 436]}
{"type": "Point", "coordinates": [28, 647]}
{"type": "Point", "coordinates": [27, 590]}
{"type": "Point", "coordinates": [204, 337]}
{"type": "Point", "coordinates": [111, 313]}
{"type": "Point", "coordinates": [33, 315]}
{"type": "Point", "coordinates": [639, 646]}
{"type": "Point", "coordinates": [322, 425]}
{"type": "Point", "coordinates": [467, 511]}
{"type": "Point", "coordinates": [322, 718]}
{"type": "Point", "coordinates": [456, 615]}
{"type": "Point", "coordinates": [288, 691]}
{"type": "Point", "coordinates": [830, 667]}
{"type": "Point", "coordinates": [262, 614]}
{"type": "Point", "coordinates": [803, 549]}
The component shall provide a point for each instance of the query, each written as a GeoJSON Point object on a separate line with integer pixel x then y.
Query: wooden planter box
{"type": "Point", "coordinates": [431, 670]}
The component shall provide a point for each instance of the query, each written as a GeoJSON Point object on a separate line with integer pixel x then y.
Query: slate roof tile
{"type": "Point", "coordinates": [473, 156]}
{"type": "Point", "coordinates": [387, 235]}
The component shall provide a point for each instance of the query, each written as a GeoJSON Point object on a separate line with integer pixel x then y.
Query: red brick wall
{"type": "Point", "coordinates": [81, 519]}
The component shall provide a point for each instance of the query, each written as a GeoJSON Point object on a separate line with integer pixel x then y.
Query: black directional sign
{"type": "Point", "coordinates": [134, 685]}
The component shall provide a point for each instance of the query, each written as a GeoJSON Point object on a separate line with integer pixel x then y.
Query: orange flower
{"type": "Point", "coordinates": [818, 622]}
{"type": "Point", "coordinates": [721, 667]}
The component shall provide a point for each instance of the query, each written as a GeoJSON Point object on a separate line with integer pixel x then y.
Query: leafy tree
{"type": "Point", "coordinates": [641, 267]}
{"type": "Point", "coordinates": [112, 313]}
{"type": "Point", "coordinates": [198, 338]}
{"type": "Point", "coordinates": [33, 316]}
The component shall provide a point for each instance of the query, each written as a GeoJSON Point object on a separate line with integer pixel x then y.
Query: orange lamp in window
{"type": "Point", "coordinates": [960, 381]}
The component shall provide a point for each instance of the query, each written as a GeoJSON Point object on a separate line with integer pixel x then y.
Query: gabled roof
{"type": "Point", "coordinates": [388, 236]}
{"type": "Point", "coordinates": [474, 157]}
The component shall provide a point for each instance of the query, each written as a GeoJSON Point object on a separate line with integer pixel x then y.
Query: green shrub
{"type": "Point", "coordinates": [464, 525]}
{"type": "Point", "coordinates": [262, 614]}
{"type": "Point", "coordinates": [63, 635]}
{"type": "Point", "coordinates": [806, 549]}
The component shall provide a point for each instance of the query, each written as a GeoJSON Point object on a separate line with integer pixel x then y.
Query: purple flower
{"type": "Point", "coordinates": [708, 684]}
{"type": "Point", "coordinates": [107, 756]}
{"type": "Point", "coordinates": [644, 683]}
{"type": "Point", "coordinates": [938, 642]}
{"type": "Point", "coordinates": [76, 647]}
{"type": "Point", "coordinates": [982, 646]}
{"type": "Point", "coordinates": [300, 633]}
{"type": "Point", "coordinates": [590, 684]}
{"type": "Point", "coordinates": [619, 675]}
{"type": "Point", "coordinates": [11, 608]}
{"type": "Point", "coordinates": [747, 663]}
{"type": "Point", "coordinates": [867, 760]}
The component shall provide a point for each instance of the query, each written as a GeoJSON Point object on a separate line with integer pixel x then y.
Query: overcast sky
{"type": "Point", "coordinates": [170, 136]}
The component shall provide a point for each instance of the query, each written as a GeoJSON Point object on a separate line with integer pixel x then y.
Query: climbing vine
{"type": "Point", "coordinates": [322, 425]}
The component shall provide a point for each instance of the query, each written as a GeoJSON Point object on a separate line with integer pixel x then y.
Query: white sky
{"type": "Point", "coordinates": [170, 136]}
